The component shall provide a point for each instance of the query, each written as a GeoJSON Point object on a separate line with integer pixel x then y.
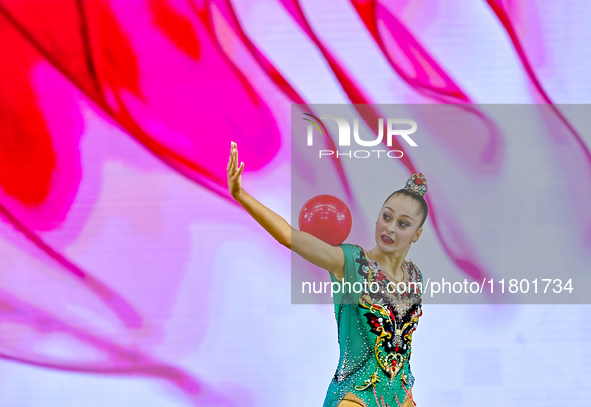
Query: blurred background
{"type": "Point", "coordinates": [129, 277]}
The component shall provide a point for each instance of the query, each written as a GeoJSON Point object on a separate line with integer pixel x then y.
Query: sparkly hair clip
{"type": "Point", "coordinates": [417, 183]}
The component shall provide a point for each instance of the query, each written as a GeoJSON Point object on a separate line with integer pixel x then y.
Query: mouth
{"type": "Point", "coordinates": [387, 240]}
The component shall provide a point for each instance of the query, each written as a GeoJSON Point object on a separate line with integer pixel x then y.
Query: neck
{"type": "Point", "coordinates": [389, 262]}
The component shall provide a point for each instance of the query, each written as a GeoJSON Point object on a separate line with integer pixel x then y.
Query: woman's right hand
{"type": "Point", "coordinates": [234, 172]}
{"type": "Point", "coordinates": [311, 248]}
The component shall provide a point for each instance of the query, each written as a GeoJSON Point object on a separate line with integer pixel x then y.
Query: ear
{"type": "Point", "coordinates": [417, 235]}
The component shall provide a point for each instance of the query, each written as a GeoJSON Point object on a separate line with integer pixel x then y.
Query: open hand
{"type": "Point", "coordinates": [234, 172]}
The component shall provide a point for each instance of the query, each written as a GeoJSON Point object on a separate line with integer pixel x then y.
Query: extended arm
{"type": "Point", "coordinates": [309, 247]}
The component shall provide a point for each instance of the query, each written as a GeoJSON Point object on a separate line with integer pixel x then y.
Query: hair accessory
{"type": "Point", "coordinates": [417, 183]}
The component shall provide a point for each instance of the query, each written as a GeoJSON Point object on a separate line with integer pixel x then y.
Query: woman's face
{"type": "Point", "coordinates": [398, 223]}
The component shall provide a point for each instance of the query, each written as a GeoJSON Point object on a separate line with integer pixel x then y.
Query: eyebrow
{"type": "Point", "coordinates": [400, 215]}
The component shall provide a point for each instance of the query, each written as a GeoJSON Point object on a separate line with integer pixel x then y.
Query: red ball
{"type": "Point", "coordinates": [327, 218]}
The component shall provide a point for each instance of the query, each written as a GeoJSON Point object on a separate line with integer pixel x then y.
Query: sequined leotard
{"type": "Point", "coordinates": [375, 330]}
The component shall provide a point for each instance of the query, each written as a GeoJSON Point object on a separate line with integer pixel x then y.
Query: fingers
{"type": "Point", "coordinates": [236, 175]}
{"type": "Point", "coordinates": [235, 161]}
{"type": "Point", "coordinates": [240, 170]}
{"type": "Point", "coordinates": [232, 168]}
{"type": "Point", "coordinates": [232, 160]}
{"type": "Point", "coordinates": [230, 157]}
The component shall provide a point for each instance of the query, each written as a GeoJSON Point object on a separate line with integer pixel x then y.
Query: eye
{"type": "Point", "coordinates": [403, 224]}
{"type": "Point", "coordinates": [386, 217]}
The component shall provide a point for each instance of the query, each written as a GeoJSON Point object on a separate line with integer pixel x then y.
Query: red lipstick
{"type": "Point", "coordinates": [387, 239]}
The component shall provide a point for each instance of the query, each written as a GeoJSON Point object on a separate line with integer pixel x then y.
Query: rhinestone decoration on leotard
{"type": "Point", "coordinates": [375, 335]}
{"type": "Point", "coordinates": [393, 317]}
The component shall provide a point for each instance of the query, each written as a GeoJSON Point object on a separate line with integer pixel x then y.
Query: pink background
{"type": "Point", "coordinates": [130, 278]}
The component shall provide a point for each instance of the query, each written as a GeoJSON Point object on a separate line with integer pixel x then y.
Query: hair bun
{"type": "Point", "coordinates": [417, 183]}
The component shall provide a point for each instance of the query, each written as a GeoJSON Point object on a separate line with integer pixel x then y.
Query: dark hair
{"type": "Point", "coordinates": [415, 196]}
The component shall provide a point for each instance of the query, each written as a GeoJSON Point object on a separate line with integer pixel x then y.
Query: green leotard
{"type": "Point", "coordinates": [375, 325]}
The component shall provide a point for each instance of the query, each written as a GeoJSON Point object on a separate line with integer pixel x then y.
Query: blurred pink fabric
{"type": "Point", "coordinates": [109, 107]}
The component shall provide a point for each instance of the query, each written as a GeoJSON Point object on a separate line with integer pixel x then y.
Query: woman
{"type": "Point", "coordinates": [375, 326]}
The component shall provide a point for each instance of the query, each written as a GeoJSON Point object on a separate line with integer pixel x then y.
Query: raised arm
{"type": "Point", "coordinates": [311, 248]}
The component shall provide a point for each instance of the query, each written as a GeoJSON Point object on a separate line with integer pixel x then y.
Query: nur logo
{"type": "Point", "coordinates": [345, 135]}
